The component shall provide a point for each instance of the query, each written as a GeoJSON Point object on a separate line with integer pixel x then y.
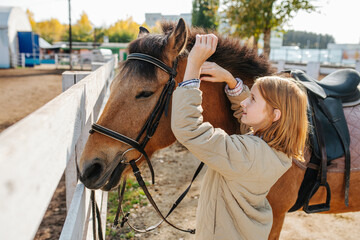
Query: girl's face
{"type": "Point", "coordinates": [255, 113]}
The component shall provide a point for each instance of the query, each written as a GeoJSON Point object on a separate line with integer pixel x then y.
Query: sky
{"type": "Point", "coordinates": [339, 18]}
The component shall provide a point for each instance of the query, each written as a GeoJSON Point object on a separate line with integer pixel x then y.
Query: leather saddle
{"type": "Point", "coordinates": [329, 134]}
{"type": "Point", "coordinates": [341, 84]}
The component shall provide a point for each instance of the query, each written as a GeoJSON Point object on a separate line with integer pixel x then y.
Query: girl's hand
{"type": "Point", "coordinates": [215, 73]}
{"type": "Point", "coordinates": [205, 46]}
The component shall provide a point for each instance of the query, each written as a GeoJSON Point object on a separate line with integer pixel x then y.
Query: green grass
{"type": "Point", "coordinates": [134, 195]}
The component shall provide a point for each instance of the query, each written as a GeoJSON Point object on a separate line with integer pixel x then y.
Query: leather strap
{"type": "Point", "coordinates": [152, 60]}
{"type": "Point", "coordinates": [139, 179]}
{"type": "Point", "coordinates": [122, 138]}
{"type": "Point", "coordinates": [346, 147]}
{"type": "Point", "coordinates": [322, 174]}
{"type": "Point", "coordinates": [149, 127]}
{"type": "Point", "coordinates": [96, 216]}
{"type": "Point", "coordinates": [176, 203]}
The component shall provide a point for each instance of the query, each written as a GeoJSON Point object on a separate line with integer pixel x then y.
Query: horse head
{"type": "Point", "coordinates": [133, 95]}
{"type": "Point", "coordinates": [136, 90]}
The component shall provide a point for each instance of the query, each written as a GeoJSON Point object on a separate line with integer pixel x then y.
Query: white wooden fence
{"type": "Point", "coordinates": [35, 152]}
{"type": "Point", "coordinates": [313, 69]}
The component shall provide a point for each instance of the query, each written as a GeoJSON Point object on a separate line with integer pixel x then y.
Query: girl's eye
{"type": "Point", "coordinates": [144, 94]}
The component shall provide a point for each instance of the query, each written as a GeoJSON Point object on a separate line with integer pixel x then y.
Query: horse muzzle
{"type": "Point", "coordinates": [95, 175]}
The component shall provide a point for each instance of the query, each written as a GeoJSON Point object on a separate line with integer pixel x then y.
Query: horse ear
{"type": "Point", "coordinates": [177, 40]}
{"type": "Point", "coordinates": [142, 32]}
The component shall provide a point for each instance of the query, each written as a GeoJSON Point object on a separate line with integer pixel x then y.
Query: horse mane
{"type": "Point", "coordinates": [241, 60]}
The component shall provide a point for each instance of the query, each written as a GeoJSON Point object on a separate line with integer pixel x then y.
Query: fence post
{"type": "Point", "coordinates": [313, 69]}
{"type": "Point", "coordinates": [281, 65]}
{"type": "Point", "coordinates": [70, 78]}
{"type": "Point", "coordinates": [116, 60]}
{"type": "Point", "coordinates": [23, 60]}
{"type": "Point", "coordinates": [357, 65]}
{"type": "Point", "coordinates": [96, 65]}
{"type": "Point", "coordinates": [56, 60]}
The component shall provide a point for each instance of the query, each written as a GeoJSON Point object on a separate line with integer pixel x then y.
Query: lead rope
{"type": "Point", "coordinates": [125, 217]}
{"type": "Point", "coordinates": [96, 216]}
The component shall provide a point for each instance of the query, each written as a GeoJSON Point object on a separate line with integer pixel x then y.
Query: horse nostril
{"type": "Point", "coordinates": [93, 172]}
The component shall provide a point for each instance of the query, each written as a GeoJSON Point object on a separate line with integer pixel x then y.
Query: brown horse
{"type": "Point", "coordinates": [134, 93]}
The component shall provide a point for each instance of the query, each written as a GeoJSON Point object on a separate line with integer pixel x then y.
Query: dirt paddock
{"type": "Point", "coordinates": [22, 91]}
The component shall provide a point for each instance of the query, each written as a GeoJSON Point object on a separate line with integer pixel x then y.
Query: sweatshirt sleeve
{"type": "Point", "coordinates": [235, 100]}
{"type": "Point", "coordinates": [228, 155]}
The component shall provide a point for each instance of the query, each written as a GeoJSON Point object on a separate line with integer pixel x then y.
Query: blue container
{"type": "Point", "coordinates": [29, 44]}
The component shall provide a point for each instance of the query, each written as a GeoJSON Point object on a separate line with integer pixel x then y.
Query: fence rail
{"type": "Point", "coordinates": [337, 57]}
{"type": "Point", "coordinates": [82, 60]}
{"type": "Point", "coordinates": [35, 152]}
{"type": "Point", "coordinates": [313, 69]}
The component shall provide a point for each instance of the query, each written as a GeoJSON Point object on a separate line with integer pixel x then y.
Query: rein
{"type": "Point", "coordinates": [148, 130]}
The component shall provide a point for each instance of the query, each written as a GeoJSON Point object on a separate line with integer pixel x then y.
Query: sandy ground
{"type": "Point", "coordinates": [24, 90]}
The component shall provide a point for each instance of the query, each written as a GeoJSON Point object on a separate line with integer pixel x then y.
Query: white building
{"type": "Point", "coordinates": [152, 18]}
{"type": "Point", "coordinates": [12, 20]}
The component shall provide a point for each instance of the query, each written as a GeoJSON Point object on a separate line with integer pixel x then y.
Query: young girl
{"type": "Point", "coordinates": [241, 168]}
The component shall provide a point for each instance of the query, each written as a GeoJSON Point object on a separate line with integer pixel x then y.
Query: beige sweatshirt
{"type": "Point", "coordinates": [241, 171]}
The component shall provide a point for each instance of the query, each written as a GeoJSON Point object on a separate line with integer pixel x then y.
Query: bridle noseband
{"type": "Point", "coordinates": [148, 130]}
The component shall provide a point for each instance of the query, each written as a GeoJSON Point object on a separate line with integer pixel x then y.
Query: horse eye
{"type": "Point", "coordinates": [144, 94]}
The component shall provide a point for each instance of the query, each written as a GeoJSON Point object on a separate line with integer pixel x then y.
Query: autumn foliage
{"type": "Point", "coordinates": [84, 31]}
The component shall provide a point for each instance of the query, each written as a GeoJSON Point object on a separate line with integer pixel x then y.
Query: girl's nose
{"type": "Point", "coordinates": [244, 103]}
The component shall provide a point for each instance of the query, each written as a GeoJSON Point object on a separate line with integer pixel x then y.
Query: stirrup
{"type": "Point", "coordinates": [322, 207]}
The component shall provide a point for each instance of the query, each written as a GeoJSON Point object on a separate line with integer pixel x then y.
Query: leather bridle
{"type": "Point", "coordinates": [148, 130]}
{"type": "Point", "coordinates": [152, 122]}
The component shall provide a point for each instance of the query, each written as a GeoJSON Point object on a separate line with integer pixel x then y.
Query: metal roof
{"type": "Point", "coordinates": [4, 16]}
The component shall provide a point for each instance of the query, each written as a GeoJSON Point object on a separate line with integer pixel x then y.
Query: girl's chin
{"type": "Point", "coordinates": [243, 120]}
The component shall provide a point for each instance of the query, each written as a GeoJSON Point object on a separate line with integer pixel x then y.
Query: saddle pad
{"type": "Point", "coordinates": [352, 115]}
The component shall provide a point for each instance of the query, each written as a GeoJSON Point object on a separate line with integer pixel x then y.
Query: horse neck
{"type": "Point", "coordinates": [216, 106]}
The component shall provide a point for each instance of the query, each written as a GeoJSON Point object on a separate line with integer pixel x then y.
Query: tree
{"type": "Point", "coordinates": [51, 30]}
{"type": "Point", "coordinates": [123, 31]}
{"type": "Point", "coordinates": [31, 19]}
{"type": "Point", "coordinates": [205, 14]}
{"type": "Point", "coordinates": [253, 17]}
{"type": "Point", "coordinates": [307, 39]}
{"type": "Point", "coordinates": [82, 31]}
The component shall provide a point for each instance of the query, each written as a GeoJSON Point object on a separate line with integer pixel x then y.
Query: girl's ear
{"type": "Point", "coordinates": [277, 114]}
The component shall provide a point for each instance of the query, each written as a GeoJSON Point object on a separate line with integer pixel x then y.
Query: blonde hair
{"type": "Point", "coordinates": [289, 133]}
